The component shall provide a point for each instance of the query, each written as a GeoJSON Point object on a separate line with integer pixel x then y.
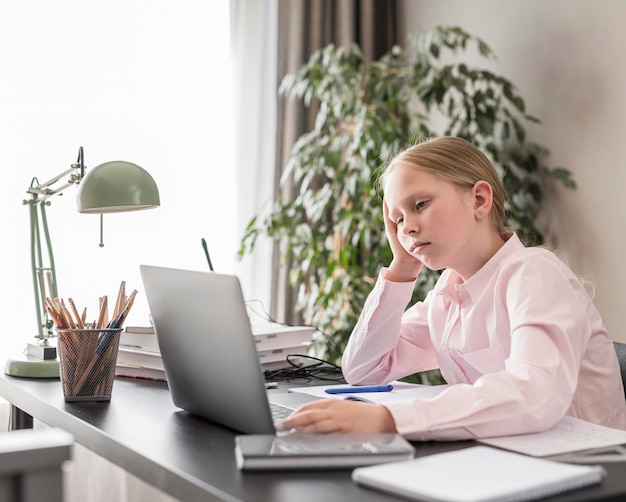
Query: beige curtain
{"type": "Point", "coordinates": [303, 27]}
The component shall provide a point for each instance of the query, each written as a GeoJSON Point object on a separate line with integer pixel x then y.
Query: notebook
{"type": "Point", "coordinates": [477, 474]}
{"type": "Point", "coordinates": [208, 349]}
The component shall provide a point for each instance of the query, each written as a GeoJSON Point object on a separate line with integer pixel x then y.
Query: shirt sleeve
{"type": "Point", "coordinates": [388, 343]}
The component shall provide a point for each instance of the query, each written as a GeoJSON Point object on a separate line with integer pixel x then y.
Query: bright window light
{"type": "Point", "coordinates": [148, 82]}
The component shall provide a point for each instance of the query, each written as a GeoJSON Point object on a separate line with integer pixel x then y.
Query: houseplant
{"type": "Point", "coordinates": [331, 232]}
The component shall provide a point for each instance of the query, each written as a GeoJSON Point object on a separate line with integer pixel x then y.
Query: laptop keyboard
{"type": "Point", "coordinates": [279, 412]}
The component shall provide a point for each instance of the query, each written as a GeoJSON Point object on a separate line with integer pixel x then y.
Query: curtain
{"type": "Point", "coordinates": [253, 28]}
{"type": "Point", "coordinates": [303, 27]}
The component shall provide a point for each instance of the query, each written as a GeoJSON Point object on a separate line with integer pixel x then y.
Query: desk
{"type": "Point", "coordinates": [192, 459]}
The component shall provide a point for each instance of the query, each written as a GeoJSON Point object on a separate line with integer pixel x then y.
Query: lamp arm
{"type": "Point", "coordinates": [44, 276]}
{"type": "Point", "coordinates": [36, 259]}
{"type": "Point", "coordinates": [45, 195]}
{"type": "Point", "coordinates": [44, 272]}
{"type": "Point", "coordinates": [52, 278]}
{"type": "Point", "coordinates": [42, 187]}
{"type": "Point", "coordinates": [41, 192]}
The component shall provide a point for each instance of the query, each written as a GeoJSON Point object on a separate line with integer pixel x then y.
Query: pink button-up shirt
{"type": "Point", "coordinates": [520, 340]}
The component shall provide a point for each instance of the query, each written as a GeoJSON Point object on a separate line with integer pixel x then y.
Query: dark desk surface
{"type": "Point", "coordinates": [192, 459]}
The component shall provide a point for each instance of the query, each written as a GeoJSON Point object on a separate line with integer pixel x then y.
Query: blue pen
{"type": "Point", "coordinates": [108, 336]}
{"type": "Point", "coordinates": [355, 390]}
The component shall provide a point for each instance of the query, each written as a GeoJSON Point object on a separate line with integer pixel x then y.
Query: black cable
{"type": "Point", "coordinates": [206, 253]}
{"type": "Point", "coordinates": [319, 370]}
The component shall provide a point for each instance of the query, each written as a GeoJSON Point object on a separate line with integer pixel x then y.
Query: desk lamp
{"type": "Point", "coordinates": [107, 188]}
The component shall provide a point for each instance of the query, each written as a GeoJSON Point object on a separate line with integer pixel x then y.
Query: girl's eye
{"type": "Point", "coordinates": [421, 205]}
{"type": "Point", "coordinates": [399, 221]}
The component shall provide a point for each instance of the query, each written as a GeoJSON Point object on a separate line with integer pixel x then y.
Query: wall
{"type": "Point", "coordinates": [566, 58]}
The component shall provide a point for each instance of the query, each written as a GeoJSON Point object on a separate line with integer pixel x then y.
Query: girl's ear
{"type": "Point", "coordinates": [483, 198]}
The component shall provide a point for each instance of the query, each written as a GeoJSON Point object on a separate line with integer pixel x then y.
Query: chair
{"type": "Point", "coordinates": [31, 464]}
{"type": "Point", "coordinates": [620, 350]}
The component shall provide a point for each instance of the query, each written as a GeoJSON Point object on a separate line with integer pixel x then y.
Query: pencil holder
{"type": "Point", "coordinates": [87, 360]}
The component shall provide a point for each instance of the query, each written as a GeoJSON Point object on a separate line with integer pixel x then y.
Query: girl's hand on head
{"type": "Point", "coordinates": [404, 266]}
{"type": "Point", "coordinates": [339, 416]}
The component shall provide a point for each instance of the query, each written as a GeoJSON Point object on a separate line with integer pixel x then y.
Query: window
{"type": "Point", "coordinates": [143, 81]}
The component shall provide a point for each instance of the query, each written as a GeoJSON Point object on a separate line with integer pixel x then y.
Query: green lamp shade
{"type": "Point", "coordinates": [115, 187]}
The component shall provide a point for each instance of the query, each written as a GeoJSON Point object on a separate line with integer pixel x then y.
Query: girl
{"type": "Point", "coordinates": [511, 328]}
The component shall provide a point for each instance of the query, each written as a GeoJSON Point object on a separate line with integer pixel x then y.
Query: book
{"type": "Point", "coordinates": [139, 372]}
{"type": "Point", "coordinates": [281, 365]}
{"type": "Point", "coordinates": [145, 340]}
{"type": "Point", "coordinates": [272, 335]}
{"type": "Point", "coordinates": [477, 474]}
{"type": "Point", "coordinates": [280, 354]}
{"type": "Point", "coordinates": [135, 341]}
{"type": "Point", "coordinates": [139, 329]}
{"type": "Point", "coordinates": [267, 335]}
{"type": "Point", "coordinates": [127, 356]}
{"type": "Point", "coordinates": [318, 451]}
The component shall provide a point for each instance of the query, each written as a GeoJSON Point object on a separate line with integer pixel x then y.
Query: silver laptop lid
{"type": "Point", "coordinates": [207, 346]}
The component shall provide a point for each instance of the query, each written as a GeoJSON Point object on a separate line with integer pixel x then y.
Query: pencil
{"type": "Point", "coordinates": [67, 317]}
{"type": "Point", "coordinates": [54, 313]}
{"type": "Point", "coordinates": [103, 312]}
{"type": "Point", "coordinates": [89, 350]}
{"type": "Point", "coordinates": [121, 300]}
{"type": "Point", "coordinates": [79, 320]}
{"type": "Point", "coordinates": [119, 320]}
{"type": "Point", "coordinates": [115, 324]}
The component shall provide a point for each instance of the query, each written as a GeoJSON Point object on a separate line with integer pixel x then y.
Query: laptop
{"type": "Point", "coordinates": [208, 349]}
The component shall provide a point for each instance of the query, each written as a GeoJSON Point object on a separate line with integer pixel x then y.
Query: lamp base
{"type": "Point", "coordinates": [29, 367]}
{"type": "Point", "coordinates": [41, 351]}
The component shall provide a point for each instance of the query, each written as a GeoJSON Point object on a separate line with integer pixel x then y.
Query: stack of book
{"type": "Point", "coordinates": [139, 355]}
{"type": "Point", "coordinates": [275, 341]}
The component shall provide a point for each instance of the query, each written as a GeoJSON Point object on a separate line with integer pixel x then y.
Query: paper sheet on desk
{"type": "Point", "coordinates": [567, 436]}
{"type": "Point", "coordinates": [400, 392]}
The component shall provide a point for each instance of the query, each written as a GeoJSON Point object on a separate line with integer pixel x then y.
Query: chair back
{"type": "Point", "coordinates": [620, 350]}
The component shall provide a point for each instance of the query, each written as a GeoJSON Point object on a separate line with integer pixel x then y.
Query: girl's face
{"type": "Point", "coordinates": [435, 219]}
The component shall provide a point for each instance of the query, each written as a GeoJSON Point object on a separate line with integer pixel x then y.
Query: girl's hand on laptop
{"type": "Point", "coordinates": [338, 416]}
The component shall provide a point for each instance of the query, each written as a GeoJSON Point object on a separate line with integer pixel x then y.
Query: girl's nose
{"type": "Point", "coordinates": [410, 226]}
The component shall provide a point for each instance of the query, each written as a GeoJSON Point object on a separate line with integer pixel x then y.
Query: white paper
{"type": "Point", "coordinates": [568, 435]}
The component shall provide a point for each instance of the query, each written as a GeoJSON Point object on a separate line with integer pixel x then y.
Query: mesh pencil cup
{"type": "Point", "coordinates": [87, 360]}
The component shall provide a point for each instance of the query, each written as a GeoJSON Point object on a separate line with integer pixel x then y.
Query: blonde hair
{"type": "Point", "coordinates": [457, 161]}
